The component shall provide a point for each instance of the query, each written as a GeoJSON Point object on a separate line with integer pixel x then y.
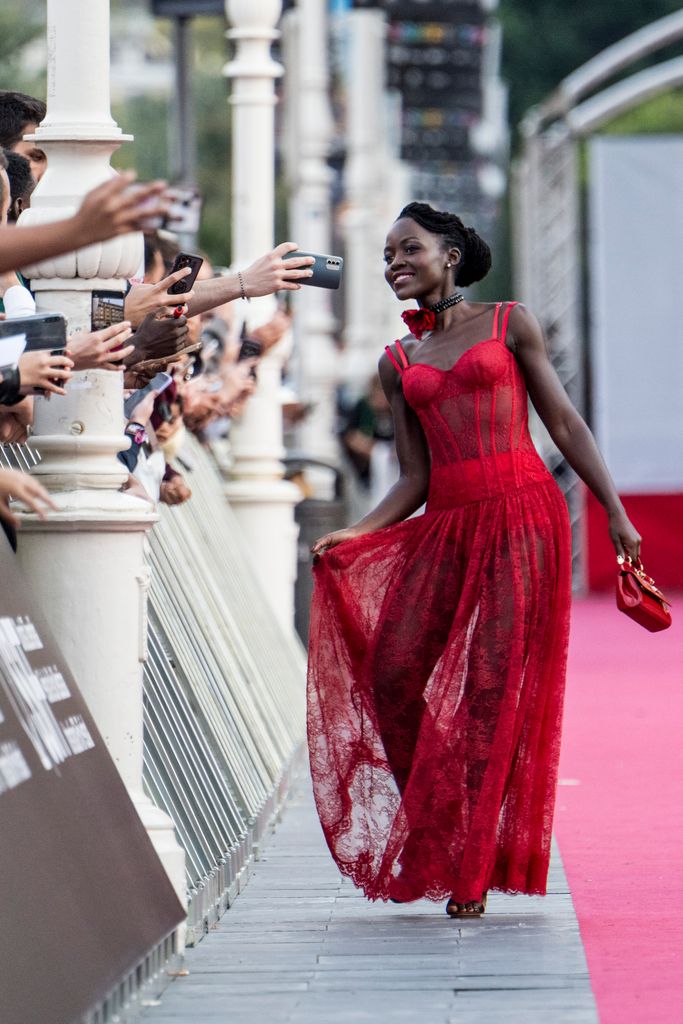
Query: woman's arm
{"type": "Point", "coordinates": [410, 490]}
{"type": "Point", "coordinates": [112, 208]}
{"type": "Point", "coordinates": [567, 428]}
{"type": "Point", "coordinates": [268, 274]}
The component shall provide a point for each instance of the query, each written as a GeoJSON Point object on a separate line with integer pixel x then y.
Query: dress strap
{"type": "Point", "coordinates": [404, 359]}
{"type": "Point", "coordinates": [510, 307]}
{"type": "Point", "coordinates": [495, 320]}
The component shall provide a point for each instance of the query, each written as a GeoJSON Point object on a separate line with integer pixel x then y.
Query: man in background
{"type": "Point", "coordinates": [20, 115]}
{"type": "Point", "coordinates": [22, 184]}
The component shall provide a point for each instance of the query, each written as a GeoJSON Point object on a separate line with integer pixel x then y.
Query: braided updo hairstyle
{"type": "Point", "coordinates": [475, 255]}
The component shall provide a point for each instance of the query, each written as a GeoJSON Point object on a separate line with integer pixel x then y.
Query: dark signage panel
{"type": "Point", "coordinates": [434, 10]}
{"type": "Point", "coordinates": [429, 87]}
{"type": "Point", "coordinates": [455, 187]}
{"type": "Point", "coordinates": [436, 134]}
{"type": "Point", "coordinates": [83, 896]}
{"type": "Point", "coordinates": [186, 8]}
{"type": "Point", "coordinates": [434, 60]}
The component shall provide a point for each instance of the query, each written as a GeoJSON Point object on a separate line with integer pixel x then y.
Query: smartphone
{"type": "Point", "coordinates": [106, 308]}
{"type": "Point", "coordinates": [150, 223]}
{"type": "Point", "coordinates": [182, 260]}
{"type": "Point", "coordinates": [184, 210]}
{"type": "Point", "coordinates": [327, 270]}
{"type": "Point", "coordinates": [158, 383]}
{"type": "Point", "coordinates": [250, 349]}
{"type": "Point", "coordinates": [43, 330]}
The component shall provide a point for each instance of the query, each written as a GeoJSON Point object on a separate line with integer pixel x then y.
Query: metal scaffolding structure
{"type": "Point", "coordinates": [547, 217]}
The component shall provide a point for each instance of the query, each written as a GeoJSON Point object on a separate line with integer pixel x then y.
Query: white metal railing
{"type": "Point", "coordinates": [224, 700]}
{"type": "Point", "coordinates": [224, 695]}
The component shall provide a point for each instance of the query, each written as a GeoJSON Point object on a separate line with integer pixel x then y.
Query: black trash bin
{"type": "Point", "coordinates": [315, 517]}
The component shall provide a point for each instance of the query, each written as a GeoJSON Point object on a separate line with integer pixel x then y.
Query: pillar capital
{"type": "Point", "coordinates": [252, 17]}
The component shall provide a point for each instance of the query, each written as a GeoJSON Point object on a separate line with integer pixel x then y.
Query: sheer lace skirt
{"type": "Point", "coordinates": [436, 677]}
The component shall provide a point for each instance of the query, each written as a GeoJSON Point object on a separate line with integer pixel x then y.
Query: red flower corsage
{"type": "Point", "coordinates": [418, 321]}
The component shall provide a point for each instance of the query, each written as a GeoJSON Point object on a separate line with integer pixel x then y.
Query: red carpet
{"type": "Point", "coordinates": [620, 809]}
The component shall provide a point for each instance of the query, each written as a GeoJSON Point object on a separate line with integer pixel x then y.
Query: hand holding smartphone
{"type": "Point", "coordinates": [40, 331]}
{"type": "Point", "coordinates": [327, 270]}
{"type": "Point", "coordinates": [182, 260]}
{"type": "Point", "coordinates": [157, 384]}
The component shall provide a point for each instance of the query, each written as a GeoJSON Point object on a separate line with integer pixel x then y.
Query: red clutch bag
{"type": "Point", "coordinates": [639, 598]}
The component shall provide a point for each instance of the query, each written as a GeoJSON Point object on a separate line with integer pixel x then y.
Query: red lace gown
{"type": "Point", "coordinates": [437, 655]}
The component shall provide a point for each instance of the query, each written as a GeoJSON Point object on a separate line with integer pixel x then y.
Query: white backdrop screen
{"type": "Point", "coordinates": [636, 307]}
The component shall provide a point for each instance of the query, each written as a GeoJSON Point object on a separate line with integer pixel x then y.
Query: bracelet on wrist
{"type": "Point", "coordinates": [243, 294]}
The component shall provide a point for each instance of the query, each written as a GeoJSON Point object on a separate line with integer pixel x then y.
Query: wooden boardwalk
{"type": "Point", "coordinates": [302, 946]}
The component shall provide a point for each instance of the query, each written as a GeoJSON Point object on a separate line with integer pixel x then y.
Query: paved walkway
{"type": "Point", "coordinates": [302, 946]}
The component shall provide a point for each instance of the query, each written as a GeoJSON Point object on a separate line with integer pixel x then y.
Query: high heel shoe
{"type": "Point", "coordinates": [473, 908]}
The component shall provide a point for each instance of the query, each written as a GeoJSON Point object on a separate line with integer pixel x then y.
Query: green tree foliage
{"type": "Point", "coordinates": [661, 115]}
{"type": "Point", "coordinates": [150, 120]}
{"type": "Point", "coordinates": [19, 25]}
{"type": "Point", "coordinates": [544, 40]}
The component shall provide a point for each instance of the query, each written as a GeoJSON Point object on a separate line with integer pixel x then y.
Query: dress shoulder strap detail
{"type": "Point", "coordinates": [495, 320]}
{"type": "Point", "coordinates": [510, 307]}
{"type": "Point", "coordinates": [404, 364]}
{"type": "Point", "coordinates": [392, 357]}
{"type": "Point", "coordinates": [404, 357]}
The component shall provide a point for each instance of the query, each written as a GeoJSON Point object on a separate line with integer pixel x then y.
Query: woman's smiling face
{"type": "Point", "coordinates": [415, 260]}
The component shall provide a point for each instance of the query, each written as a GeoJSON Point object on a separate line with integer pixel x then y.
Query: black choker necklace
{"type": "Point", "coordinates": [452, 300]}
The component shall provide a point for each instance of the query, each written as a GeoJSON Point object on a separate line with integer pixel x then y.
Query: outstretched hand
{"type": "Point", "coordinates": [118, 206]}
{"type": "Point", "coordinates": [273, 273]}
{"type": "Point", "coordinates": [144, 299]}
{"type": "Point", "coordinates": [101, 350]}
{"type": "Point", "coordinates": [158, 338]}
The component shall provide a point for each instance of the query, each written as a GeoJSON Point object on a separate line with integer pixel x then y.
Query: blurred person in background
{"type": "Point", "coordinates": [35, 371]}
{"type": "Point", "coordinates": [20, 115]}
{"type": "Point", "coordinates": [367, 439]}
{"type": "Point", "coordinates": [22, 183]}
{"type": "Point", "coordinates": [16, 185]}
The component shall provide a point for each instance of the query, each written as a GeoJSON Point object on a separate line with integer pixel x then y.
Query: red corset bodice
{"type": "Point", "coordinates": [474, 416]}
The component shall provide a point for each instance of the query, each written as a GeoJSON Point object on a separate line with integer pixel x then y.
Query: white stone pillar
{"type": "Point", "coordinates": [310, 178]}
{"type": "Point", "coordinates": [87, 562]}
{"type": "Point", "coordinates": [365, 185]}
{"type": "Point", "coordinates": [262, 500]}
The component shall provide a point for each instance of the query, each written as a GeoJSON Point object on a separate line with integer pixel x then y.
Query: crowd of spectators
{"type": "Point", "coordinates": [186, 361]}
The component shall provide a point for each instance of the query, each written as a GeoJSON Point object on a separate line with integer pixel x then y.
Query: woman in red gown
{"type": "Point", "coordinates": [438, 643]}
